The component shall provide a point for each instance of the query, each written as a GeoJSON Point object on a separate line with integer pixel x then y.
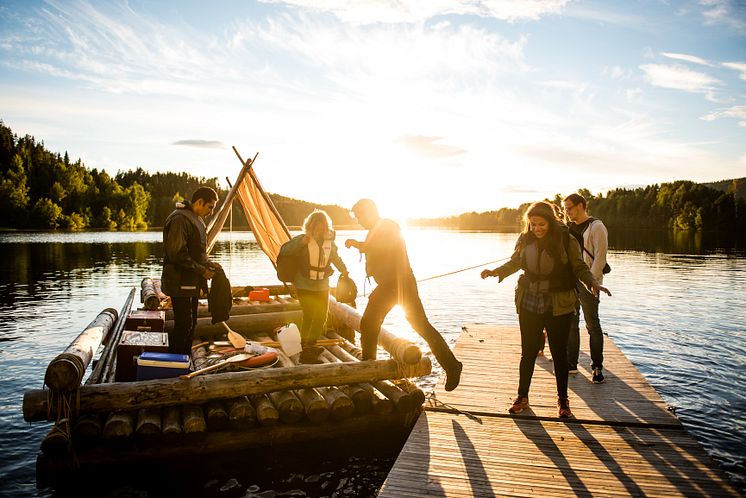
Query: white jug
{"type": "Point", "coordinates": [289, 337]}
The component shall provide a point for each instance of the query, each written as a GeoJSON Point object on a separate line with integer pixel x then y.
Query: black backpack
{"type": "Point", "coordinates": [287, 266]}
{"type": "Point", "coordinates": [578, 234]}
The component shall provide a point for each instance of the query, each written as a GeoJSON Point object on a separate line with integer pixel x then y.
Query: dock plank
{"type": "Point", "coordinates": [622, 442]}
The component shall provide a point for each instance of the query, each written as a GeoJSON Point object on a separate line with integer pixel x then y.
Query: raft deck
{"type": "Point", "coordinates": [623, 440]}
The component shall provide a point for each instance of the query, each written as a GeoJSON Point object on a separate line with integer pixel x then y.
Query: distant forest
{"type": "Point", "coordinates": [40, 189]}
{"type": "Point", "coordinates": [43, 190]}
{"type": "Point", "coordinates": [680, 205]}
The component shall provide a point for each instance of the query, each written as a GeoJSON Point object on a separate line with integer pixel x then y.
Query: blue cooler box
{"type": "Point", "coordinates": [152, 365]}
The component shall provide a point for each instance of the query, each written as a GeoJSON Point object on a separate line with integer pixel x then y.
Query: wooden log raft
{"type": "Point", "coordinates": [164, 392]}
{"type": "Point", "coordinates": [65, 372]}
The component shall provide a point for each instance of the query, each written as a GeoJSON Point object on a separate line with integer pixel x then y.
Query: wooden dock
{"type": "Point", "coordinates": [622, 442]}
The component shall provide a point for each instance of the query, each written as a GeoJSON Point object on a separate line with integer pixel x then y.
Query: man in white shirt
{"type": "Point", "coordinates": [594, 239]}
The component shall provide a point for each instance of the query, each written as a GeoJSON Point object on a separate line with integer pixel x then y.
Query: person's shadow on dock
{"type": "Point", "coordinates": [478, 478]}
{"type": "Point", "coordinates": [639, 422]}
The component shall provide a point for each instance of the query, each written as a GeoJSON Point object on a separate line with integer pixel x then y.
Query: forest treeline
{"type": "Point", "coordinates": [681, 205]}
{"type": "Point", "coordinates": [41, 189]}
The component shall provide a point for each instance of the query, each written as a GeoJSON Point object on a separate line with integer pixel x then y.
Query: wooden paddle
{"type": "Point", "coordinates": [233, 359]}
{"type": "Point", "coordinates": [237, 340]}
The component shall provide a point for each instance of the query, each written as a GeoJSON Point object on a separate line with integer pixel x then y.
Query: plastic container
{"type": "Point", "coordinates": [289, 337]}
{"type": "Point", "coordinates": [161, 365]}
{"type": "Point", "coordinates": [261, 294]}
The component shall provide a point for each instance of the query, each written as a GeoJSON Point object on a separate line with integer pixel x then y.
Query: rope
{"type": "Point", "coordinates": [433, 399]}
{"type": "Point", "coordinates": [459, 271]}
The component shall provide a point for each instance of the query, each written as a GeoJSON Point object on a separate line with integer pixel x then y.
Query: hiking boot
{"type": "Point", "coordinates": [598, 377]}
{"type": "Point", "coordinates": [564, 407]}
{"type": "Point", "coordinates": [309, 356]}
{"type": "Point", "coordinates": [453, 376]}
{"type": "Point", "coordinates": [519, 404]}
{"type": "Point", "coordinates": [572, 370]}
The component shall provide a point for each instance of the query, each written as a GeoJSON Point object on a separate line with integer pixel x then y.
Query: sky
{"type": "Point", "coordinates": [431, 108]}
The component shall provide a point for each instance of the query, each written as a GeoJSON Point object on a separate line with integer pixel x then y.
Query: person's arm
{"type": "Point", "coordinates": [508, 268]}
{"type": "Point", "coordinates": [337, 261]}
{"type": "Point", "coordinates": [177, 250]}
{"type": "Point", "coordinates": [360, 246]}
{"type": "Point", "coordinates": [581, 270]}
{"type": "Point", "coordinates": [598, 237]}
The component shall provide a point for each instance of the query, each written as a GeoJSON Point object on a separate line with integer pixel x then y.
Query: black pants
{"type": "Point", "coordinates": [381, 300]}
{"type": "Point", "coordinates": [314, 305]}
{"type": "Point", "coordinates": [532, 340]}
{"type": "Point", "coordinates": [185, 318]}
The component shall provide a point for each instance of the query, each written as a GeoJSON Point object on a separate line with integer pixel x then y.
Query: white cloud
{"type": "Point", "coordinates": [738, 66]}
{"type": "Point", "coordinates": [724, 12]}
{"type": "Point", "coordinates": [408, 11]}
{"type": "Point", "coordinates": [687, 58]}
{"type": "Point", "coordinates": [614, 72]}
{"type": "Point", "coordinates": [737, 112]}
{"type": "Point", "coordinates": [678, 78]}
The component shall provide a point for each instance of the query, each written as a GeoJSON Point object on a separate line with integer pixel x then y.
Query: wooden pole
{"type": "Point", "coordinates": [164, 392]}
{"type": "Point", "coordinates": [66, 371]}
{"type": "Point", "coordinates": [104, 370]}
{"type": "Point", "coordinates": [217, 222]}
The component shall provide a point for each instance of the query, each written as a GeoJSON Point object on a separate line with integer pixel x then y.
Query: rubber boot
{"type": "Point", "coordinates": [310, 353]}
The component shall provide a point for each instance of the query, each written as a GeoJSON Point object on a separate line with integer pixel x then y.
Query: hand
{"type": "Point", "coordinates": [595, 288]}
{"type": "Point", "coordinates": [487, 273]}
{"type": "Point", "coordinates": [352, 243]}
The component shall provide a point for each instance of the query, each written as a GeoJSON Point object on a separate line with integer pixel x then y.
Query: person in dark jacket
{"type": "Point", "coordinates": [316, 251]}
{"type": "Point", "coordinates": [387, 261]}
{"type": "Point", "coordinates": [186, 267]}
{"type": "Point", "coordinates": [545, 296]}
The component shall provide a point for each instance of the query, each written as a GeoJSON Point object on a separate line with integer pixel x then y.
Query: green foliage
{"type": "Point", "coordinates": [46, 214]}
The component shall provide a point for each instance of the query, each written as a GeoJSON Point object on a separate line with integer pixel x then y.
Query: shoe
{"type": "Point", "coordinates": [309, 357]}
{"type": "Point", "coordinates": [598, 377]}
{"type": "Point", "coordinates": [572, 370]}
{"type": "Point", "coordinates": [519, 404]}
{"type": "Point", "coordinates": [453, 377]}
{"type": "Point", "coordinates": [564, 408]}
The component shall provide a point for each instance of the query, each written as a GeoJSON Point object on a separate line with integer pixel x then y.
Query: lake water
{"type": "Point", "coordinates": [677, 312]}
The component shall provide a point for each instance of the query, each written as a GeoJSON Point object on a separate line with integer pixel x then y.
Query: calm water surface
{"type": "Point", "coordinates": [677, 314]}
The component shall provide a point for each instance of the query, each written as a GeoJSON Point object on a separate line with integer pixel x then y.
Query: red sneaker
{"type": "Point", "coordinates": [519, 404]}
{"type": "Point", "coordinates": [564, 408]}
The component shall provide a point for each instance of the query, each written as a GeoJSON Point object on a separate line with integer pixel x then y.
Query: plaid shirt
{"type": "Point", "coordinates": [535, 301]}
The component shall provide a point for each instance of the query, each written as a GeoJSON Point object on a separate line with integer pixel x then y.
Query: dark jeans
{"type": "Point", "coordinates": [381, 300]}
{"type": "Point", "coordinates": [532, 340]}
{"type": "Point", "coordinates": [314, 305]}
{"type": "Point", "coordinates": [589, 304]}
{"type": "Point", "coordinates": [185, 318]}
